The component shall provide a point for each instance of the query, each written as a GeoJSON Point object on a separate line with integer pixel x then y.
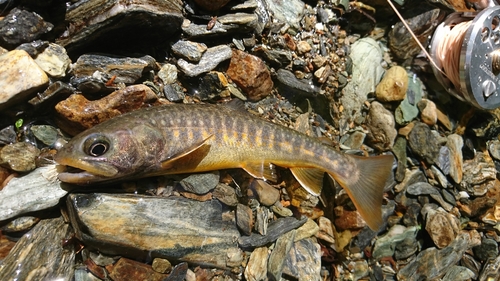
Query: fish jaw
{"type": "Point", "coordinates": [90, 172]}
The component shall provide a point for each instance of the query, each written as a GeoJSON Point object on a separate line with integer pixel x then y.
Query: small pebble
{"type": "Point", "coordinates": [393, 85]}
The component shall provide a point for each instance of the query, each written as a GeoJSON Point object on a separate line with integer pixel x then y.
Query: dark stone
{"type": "Point", "coordinates": [410, 218]}
{"type": "Point", "coordinates": [21, 26]}
{"type": "Point", "coordinates": [274, 230]}
{"type": "Point", "coordinates": [423, 143]}
{"type": "Point", "coordinates": [488, 249]}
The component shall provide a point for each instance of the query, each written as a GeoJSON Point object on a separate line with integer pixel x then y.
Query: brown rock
{"type": "Point", "coordinates": [393, 85]}
{"type": "Point", "coordinates": [244, 218]}
{"type": "Point", "coordinates": [257, 265]}
{"type": "Point", "coordinates": [267, 194]}
{"type": "Point", "coordinates": [380, 123]}
{"type": "Point", "coordinates": [77, 114]}
{"type": "Point", "coordinates": [250, 73]}
{"type": "Point", "coordinates": [303, 47]}
{"type": "Point", "coordinates": [289, 42]}
{"type": "Point", "coordinates": [349, 220]}
{"type": "Point", "coordinates": [19, 156]}
{"type": "Point", "coordinates": [428, 112]}
{"type": "Point", "coordinates": [161, 265]}
{"type": "Point", "coordinates": [126, 269]}
{"type": "Point", "coordinates": [325, 230]}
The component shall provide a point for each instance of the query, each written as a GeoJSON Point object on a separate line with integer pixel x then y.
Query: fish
{"type": "Point", "coordinates": [191, 138]}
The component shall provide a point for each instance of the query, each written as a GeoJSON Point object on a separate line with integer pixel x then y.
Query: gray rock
{"type": "Point", "coordinates": [168, 73]}
{"type": "Point", "coordinates": [406, 248]}
{"type": "Point", "coordinates": [490, 270]}
{"type": "Point", "coordinates": [494, 149]}
{"type": "Point", "coordinates": [177, 228]}
{"type": "Point", "coordinates": [200, 183]}
{"type": "Point", "coordinates": [399, 150]}
{"type": "Point", "coordinates": [408, 109]}
{"type": "Point", "coordinates": [458, 273]}
{"type": "Point", "coordinates": [55, 92]}
{"type": "Point", "coordinates": [424, 143]}
{"type": "Point", "coordinates": [367, 71]}
{"type": "Point", "coordinates": [45, 133]}
{"type": "Point", "coordinates": [412, 214]}
{"type": "Point", "coordinates": [381, 127]}
{"type": "Point", "coordinates": [267, 194]}
{"type": "Point", "coordinates": [21, 26]}
{"type": "Point", "coordinates": [276, 58]}
{"type": "Point", "coordinates": [240, 23]}
{"type": "Point", "coordinates": [432, 263]}
{"type": "Point", "coordinates": [290, 85]}
{"type": "Point", "coordinates": [355, 140]}
{"type": "Point", "coordinates": [386, 245]}
{"type": "Point", "coordinates": [20, 224]}
{"type": "Point", "coordinates": [487, 250]}
{"type": "Point", "coordinates": [34, 48]}
{"type": "Point", "coordinates": [15, 88]}
{"type": "Point", "coordinates": [423, 188]}
{"type": "Point", "coordinates": [210, 59]}
{"type": "Point", "coordinates": [35, 191]}
{"type": "Point", "coordinates": [290, 12]}
{"type": "Point", "coordinates": [303, 262]}
{"type": "Point", "coordinates": [39, 255]}
{"type": "Point", "coordinates": [173, 93]}
{"type": "Point", "coordinates": [262, 216]}
{"type": "Point", "coordinates": [8, 135]}
{"type": "Point", "coordinates": [190, 51]}
{"type": "Point", "coordinates": [275, 230]}
{"type": "Point", "coordinates": [54, 61]}
{"type": "Point", "coordinates": [277, 258]}
{"type": "Point", "coordinates": [225, 194]}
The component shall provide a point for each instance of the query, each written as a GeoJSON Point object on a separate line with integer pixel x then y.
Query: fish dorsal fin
{"type": "Point", "coordinates": [367, 188]}
{"type": "Point", "coordinates": [261, 170]}
{"type": "Point", "coordinates": [310, 178]}
{"type": "Point", "coordinates": [168, 163]}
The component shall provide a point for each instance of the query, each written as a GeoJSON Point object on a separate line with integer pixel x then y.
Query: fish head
{"type": "Point", "coordinates": [103, 154]}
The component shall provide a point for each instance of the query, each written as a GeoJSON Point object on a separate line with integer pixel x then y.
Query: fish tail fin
{"type": "Point", "coordinates": [367, 188]}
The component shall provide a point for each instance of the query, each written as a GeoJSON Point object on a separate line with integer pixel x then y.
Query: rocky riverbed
{"type": "Point", "coordinates": [346, 72]}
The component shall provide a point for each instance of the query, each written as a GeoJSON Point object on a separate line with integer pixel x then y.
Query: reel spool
{"type": "Point", "coordinates": [479, 66]}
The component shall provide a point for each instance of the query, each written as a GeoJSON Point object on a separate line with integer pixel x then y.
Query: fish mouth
{"type": "Point", "coordinates": [82, 172]}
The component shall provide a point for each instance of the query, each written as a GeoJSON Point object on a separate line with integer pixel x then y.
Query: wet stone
{"type": "Point", "coordinates": [244, 218]}
{"type": "Point", "coordinates": [267, 194]}
{"type": "Point", "coordinates": [126, 269]}
{"type": "Point", "coordinates": [190, 51]}
{"type": "Point", "coordinates": [423, 143]}
{"type": "Point", "coordinates": [200, 183]}
{"type": "Point", "coordinates": [54, 61]}
{"type": "Point", "coordinates": [355, 140]}
{"type": "Point", "coordinates": [487, 250]}
{"type": "Point", "coordinates": [240, 23]}
{"type": "Point", "coordinates": [35, 191]}
{"type": "Point", "coordinates": [8, 135]}
{"type": "Point", "coordinates": [262, 216]}
{"type": "Point", "coordinates": [78, 113]}
{"type": "Point", "coordinates": [431, 262]}
{"type": "Point", "coordinates": [279, 253]}
{"type": "Point", "coordinates": [349, 220]}
{"type": "Point", "coordinates": [225, 194]}
{"type": "Point", "coordinates": [34, 48]}
{"type": "Point", "coordinates": [168, 73]}
{"type": "Point", "coordinates": [179, 272]}
{"type": "Point", "coordinates": [275, 230]}
{"type": "Point", "coordinates": [412, 214]}
{"type": "Point", "coordinates": [406, 248]}
{"type": "Point", "coordinates": [491, 269]}
{"type": "Point", "coordinates": [303, 262]}
{"type": "Point", "coordinates": [21, 26]}
{"type": "Point", "coordinates": [256, 268]}
{"type": "Point", "coordinates": [210, 59]}
{"type": "Point", "coordinates": [281, 211]}
{"type": "Point", "coordinates": [381, 131]}
{"type": "Point", "coordinates": [176, 227]}
{"type": "Point", "coordinates": [250, 73]}
{"type": "Point", "coordinates": [309, 229]}
{"type": "Point", "coordinates": [15, 88]}
{"type": "Point", "coordinates": [455, 144]}
{"type": "Point", "coordinates": [399, 150]}
{"type": "Point", "coordinates": [45, 133]}
{"type": "Point", "coordinates": [423, 188]}
{"type": "Point", "coordinates": [19, 156]}
{"type": "Point", "coordinates": [92, 72]}
{"type": "Point", "coordinates": [39, 254]}
{"type": "Point", "coordinates": [173, 93]}
{"type": "Point", "coordinates": [393, 85]}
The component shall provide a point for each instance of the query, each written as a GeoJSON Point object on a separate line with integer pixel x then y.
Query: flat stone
{"type": "Point", "coordinates": [423, 188]}
{"type": "Point", "coordinates": [40, 255]}
{"type": "Point", "coordinates": [54, 61]}
{"type": "Point", "coordinates": [381, 127]}
{"type": "Point", "coordinates": [308, 229]}
{"type": "Point", "coordinates": [200, 183]}
{"type": "Point", "coordinates": [393, 85]}
{"type": "Point", "coordinates": [386, 244]}
{"type": "Point", "coordinates": [210, 59]}
{"type": "Point", "coordinates": [349, 220]}
{"type": "Point", "coordinates": [455, 144]}
{"type": "Point", "coordinates": [432, 263]}
{"type": "Point", "coordinates": [126, 269]}
{"type": "Point", "coordinates": [77, 113]}
{"type": "Point", "coordinates": [325, 230]}
{"type": "Point", "coordinates": [32, 192]}
{"type": "Point", "coordinates": [14, 87]}
{"type": "Point", "coordinates": [290, 85]}
{"type": "Point", "coordinates": [244, 218]}
{"type": "Point", "coordinates": [238, 23]}
{"type": "Point", "coordinates": [423, 143]}
{"type": "Point", "coordinates": [177, 228]}
{"type": "Point", "coordinates": [290, 12]}
{"type": "Point", "coordinates": [105, 25]}
{"type": "Point", "coordinates": [267, 194]}
{"type": "Point", "coordinates": [459, 273]}
{"type": "Point", "coordinates": [190, 51]}
{"type": "Point", "coordinates": [442, 227]}
{"type": "Point", "coordinates": [168, 73]}
{"type": "Point", "coordinates": [277, 258]}
{"type": "Point", "coordinates": [250, 73]}
{"type": "Point", "coordinates": [275, 230]}
{"type": "Point", "coordinates": [54, 93]}
{"type": "Point", "coordinates": [226, 194]}
{"type": "Point", "coordinates": [480, 175]}
{"type": "Point", "coordinates": [407, 110]}
{"type": "Point", "coordinates": [256, 268]}
{"type": "Point", "coordinates": [303, 262]}
{"type": "Point", "coordinates": [19, 156]}
{"type": "Point", "coordinates": [22, 26]}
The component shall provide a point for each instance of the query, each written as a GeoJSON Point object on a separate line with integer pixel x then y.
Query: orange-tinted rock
{"type": "Point", "coordinates": [77, 113]}
{"type": "Point", "coordinates": [250, 73]}
{"type": "Point", "coordinates": [349, 220]}
{"type": "Point", "coordinates": [126, 269]}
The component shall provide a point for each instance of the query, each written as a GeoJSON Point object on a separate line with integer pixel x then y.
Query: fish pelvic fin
{"type": "Point", "coordinates": [168, 163]}
{"type": "Point", "coordinates": [261, 170]}
{"type": "Point", "coordinates": [366, 190]}
{"type": "Point", "coordinates": [310, 178]}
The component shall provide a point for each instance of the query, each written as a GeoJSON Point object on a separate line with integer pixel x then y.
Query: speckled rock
{"type": "Point", "coordinates": [19, 156]}
{"type": "Point", "coordinates": [442, 226]}
{"type": "Point", "coordinates": [20, 77]}
{"type": "Point", "coordinates": [22, 26]}
{"type": "Point", "coordinates": [393, 85]}
{"type": "Point", "coordinates": [381, 127]}
{"type": "Point", "coordinates": [250, 73]}
{"type": "Point", "coordinates": [54, 61]}
{"type": "Point", "coordinates": [424, 143]}
{"type": "Point", "coordinates": [256, 268]}
{"type": "Point", "coordinates": [455, 144]}
{"type": "Point", "coordinates": [168, 73]}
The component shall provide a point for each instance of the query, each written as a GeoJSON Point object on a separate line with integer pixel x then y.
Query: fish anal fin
{"type": "Point", "coordinates": [310, 178]}
{"type": "Point", "coordinates": [367, 187]}
{"type": "Point", "coordinates": [261, 170]}
{"type": "Point", "coordinates": [169, 162]}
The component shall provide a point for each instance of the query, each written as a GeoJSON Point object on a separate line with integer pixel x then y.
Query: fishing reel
{"type": "Point", "coordinates": [473, 73]}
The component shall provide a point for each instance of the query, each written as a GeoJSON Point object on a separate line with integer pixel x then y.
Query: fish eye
{"type": "Point", "coordinates": [96, 145]}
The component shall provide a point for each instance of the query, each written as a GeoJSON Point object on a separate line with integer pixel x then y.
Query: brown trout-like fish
{"type": "Point", "coordinates": [180, 138]}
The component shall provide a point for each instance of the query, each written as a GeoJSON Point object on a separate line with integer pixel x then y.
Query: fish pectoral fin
{"type": "Point", "coordinates": [168, 163]}
{"type": "Point", "coordinates": [310, 178]}
{"type": "Point", "coordinates": [261, 170]}
{"type": "Point", "coordinates": [366, 190]}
